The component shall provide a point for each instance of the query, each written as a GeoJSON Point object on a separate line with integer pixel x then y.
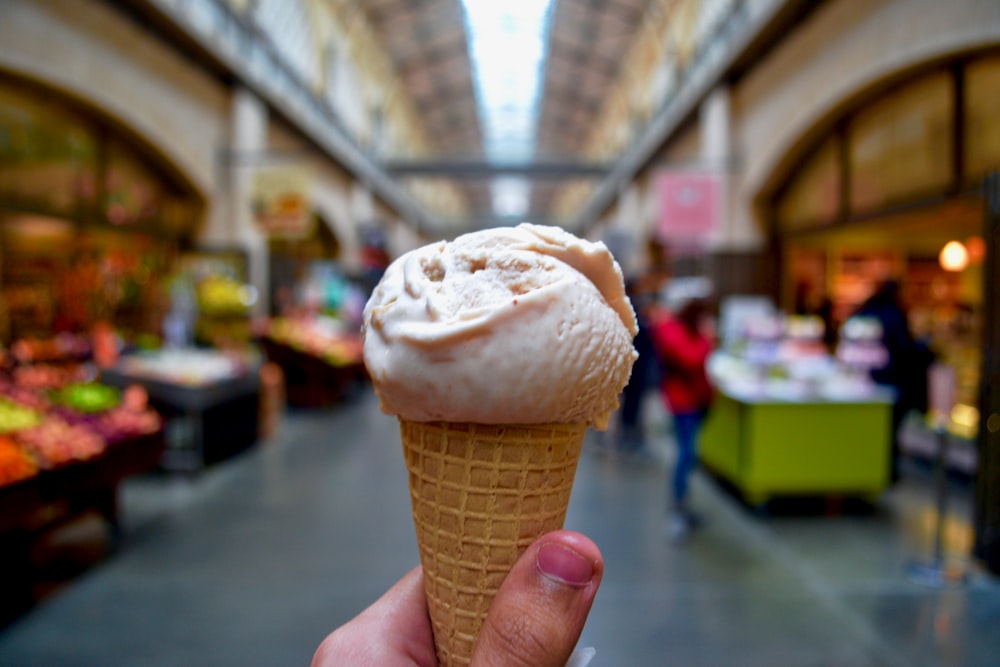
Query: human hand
{"type": "Point", "coordinates": [536, 617]}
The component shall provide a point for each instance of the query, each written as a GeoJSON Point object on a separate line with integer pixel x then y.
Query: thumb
{"type": "Point", "coordinates": [539, 611]}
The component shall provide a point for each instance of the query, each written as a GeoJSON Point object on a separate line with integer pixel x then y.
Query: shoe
{"type": "Point", "coordinates": [678, 528]}
{"type": "Point", "coordinates": [694, 519]}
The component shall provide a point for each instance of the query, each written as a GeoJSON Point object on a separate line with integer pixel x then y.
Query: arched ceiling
{"type": "Point", "coordinates": [585, 42]}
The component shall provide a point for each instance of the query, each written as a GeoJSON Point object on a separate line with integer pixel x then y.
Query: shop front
{"type": "Point", "coordinates": [890, 192]}
{"type": "Point", "coordinates": [91, 218]}
{"type": "Point", "coordinates": [91, 223]}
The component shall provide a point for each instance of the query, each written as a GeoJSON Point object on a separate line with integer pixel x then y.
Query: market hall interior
{"type": "Point", "coordinates": [198, 196]}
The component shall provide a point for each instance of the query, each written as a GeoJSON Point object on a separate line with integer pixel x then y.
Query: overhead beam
{"type": "Point", "coordinates": [468, 169]}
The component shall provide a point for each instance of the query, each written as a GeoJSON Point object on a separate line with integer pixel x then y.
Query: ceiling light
{"type": "Point", "coordinates": [954, 256]}
{"type": "Point", "coordinates": [507, 48]}
{"type": "Point", "coordinates": [510, 197]}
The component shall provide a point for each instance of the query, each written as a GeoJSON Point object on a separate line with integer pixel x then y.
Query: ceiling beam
{"type": "Point", "coordinates": [468, 169]}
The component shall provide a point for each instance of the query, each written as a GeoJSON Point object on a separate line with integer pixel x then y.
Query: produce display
{"type": "Point", "coordinates": [322, 337]}
{"type": "Point", "coordinates": [60, 347]}
{"type": "Point", "coordinates": [23, 396]}
{"type": "Point", "coordinates": [221, 295]}
{"type": "Point", "coordinates": [88, 398]}
{"type": "Point", "coordinates": [15, 463]}
{"type": "Point", "coordinates": [49, 376]}
{"type": "Point", "coordinates": [42, 428]}
{"type": "Point", "coordinates": [55, 442]}
{"type": "Point", "coordinates": [14, 417]}
{"type": "Point", "coordinates": [123, 422]}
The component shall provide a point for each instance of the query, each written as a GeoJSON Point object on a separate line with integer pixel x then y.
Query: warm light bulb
{"type": "Point", "coordinates": [954, 256]}
{"type": "Point", "coordinates": [977, 249]}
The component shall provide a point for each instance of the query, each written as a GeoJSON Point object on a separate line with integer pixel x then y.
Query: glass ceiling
{"type": "Point", "coordinates": [507, 47]}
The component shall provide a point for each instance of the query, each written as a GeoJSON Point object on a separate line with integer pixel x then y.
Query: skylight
{"type": "Point", "coordinates": [507, 48]}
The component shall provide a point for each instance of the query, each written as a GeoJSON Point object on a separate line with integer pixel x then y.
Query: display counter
{"type": "Point", "coordinates": [210, 416]}
{"type": "Point", "coordinates": [767, 446]}
{"type": "Point", "coordinates": [34, 506]}
{"type": "Point", "coordinates": [319, 359]}
{"type": "Point", "coordinates": [38, 501]}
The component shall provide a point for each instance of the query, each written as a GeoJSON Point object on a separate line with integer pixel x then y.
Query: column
{"type": "Point", "coordinates": [715, 127]}
{"type": "Point", "coordinates": [249, 123]}
{"type": "Point", "coordinates": [987, 510]}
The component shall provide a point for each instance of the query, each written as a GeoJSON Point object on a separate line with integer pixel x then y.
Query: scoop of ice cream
{"type": "Point", "coordinates": [522, 325]}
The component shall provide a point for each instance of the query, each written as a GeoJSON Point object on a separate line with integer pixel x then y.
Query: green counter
{"type": "Point", "coordinates": [768, 447]}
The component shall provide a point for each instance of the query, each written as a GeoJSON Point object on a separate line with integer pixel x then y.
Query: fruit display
{"type": "Point", "coordinates": [55, 442]}
{"type": "Point", "coordinates": [45, 430]}
{"type": "Point", "coordinates": [14, 417]}
{"type": "Point", "coordinates": [122, 423]}
{"type": "Point", "coordinates": [221, 295]}
{"type": "Point", "coordinates": [49, 376]}
{"type": "Point", "coordinates": [88, 397]}
{"type": "Point", "coordinates": [23, 396]}
{"type": "Point", "coordinates": [59, 348]}
{"type": "Point", "coordinates": [323, 337]}
{"type": "Point", "coordinates": [15, 463]}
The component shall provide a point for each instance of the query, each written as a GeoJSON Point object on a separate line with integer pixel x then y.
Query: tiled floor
{"type": "Point", "coordinates": [255, 560]}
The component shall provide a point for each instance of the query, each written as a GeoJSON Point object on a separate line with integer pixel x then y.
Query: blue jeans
{"type": "Point", "coordinates": [686, 428]}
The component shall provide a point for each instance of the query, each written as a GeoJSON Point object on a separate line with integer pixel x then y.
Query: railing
{"type": "Point", "coordinates": [251, 57]}
{"type": "Point", "coordinates": [736, 23]}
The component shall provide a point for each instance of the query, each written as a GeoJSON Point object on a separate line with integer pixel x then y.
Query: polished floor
{"type": "Point", "coordinates": [255, 560]}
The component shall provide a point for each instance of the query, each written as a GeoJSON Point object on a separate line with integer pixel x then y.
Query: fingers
{"type": "Point", "coordinates": [539, 611]}
{"type": "Point", "coordinates": [395, 631]}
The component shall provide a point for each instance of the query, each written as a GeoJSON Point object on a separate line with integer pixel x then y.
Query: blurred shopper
{"type": "Point", "coordinates": [683, 345]}
{"type": "Point", "coordinates": [905, 371]}
{"type": "Point", "coordinates": [811, 300]}
{"type": "Point", "coordinates": [642, 292]}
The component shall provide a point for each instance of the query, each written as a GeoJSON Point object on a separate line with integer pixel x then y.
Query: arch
{"type": "Point", "coordinates": [793, 143]}
{"type": "Point", "coordinates": [159, 156]}
{"type": "Point", "coordinates": [330, 200]}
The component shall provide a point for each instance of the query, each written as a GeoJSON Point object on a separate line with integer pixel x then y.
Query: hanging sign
{"type": "Point", "coordinates": [689, 206]}
{"type": "Point", "coordinates": [279, 197]}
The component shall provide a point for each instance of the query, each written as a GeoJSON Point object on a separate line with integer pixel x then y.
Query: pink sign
{"type": "Point", "coordinates": [689, 206]}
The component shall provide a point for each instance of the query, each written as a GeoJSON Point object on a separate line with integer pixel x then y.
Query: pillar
{"type": "Point", "coordinates": [987, 507]}
{"type": "Point", "coordinates": [249, 122]}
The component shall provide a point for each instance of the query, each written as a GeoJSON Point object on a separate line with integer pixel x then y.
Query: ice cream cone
{"type": "Point", "coordinates": [481, 495]}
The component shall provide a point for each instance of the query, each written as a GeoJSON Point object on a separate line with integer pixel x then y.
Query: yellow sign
{"type": "Point", "coordinates": [280, 200]}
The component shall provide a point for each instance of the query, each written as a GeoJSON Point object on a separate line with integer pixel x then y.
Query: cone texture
{"type": "Point", "coordinates": [481, 495]}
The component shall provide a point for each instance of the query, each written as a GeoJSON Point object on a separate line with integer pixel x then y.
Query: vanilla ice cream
{"type": "Point", "coordinates": [517, 325]}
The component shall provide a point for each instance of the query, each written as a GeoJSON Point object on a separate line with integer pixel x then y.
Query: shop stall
{"type": "Point", "coordinates": [768, 446]}
{"type": "Point", "coordinates": [66, 444]}
{"type": "Point", "coordinates": [890, 189]}
{"type": "Point", "coordinates": [210, 401]}
{"type": "Point", "coordinates": [791, 419]}
{"type": "Point", "coordinates": [314, 336]}
{"type": "Point", "coordinates": [321, 359]}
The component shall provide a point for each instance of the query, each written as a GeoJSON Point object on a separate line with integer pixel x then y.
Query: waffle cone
{"type": "Point", "coordinates": [481, 495]}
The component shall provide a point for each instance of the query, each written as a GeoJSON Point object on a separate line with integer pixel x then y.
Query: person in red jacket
{"type": "Point", "coordinates": [683, 345]}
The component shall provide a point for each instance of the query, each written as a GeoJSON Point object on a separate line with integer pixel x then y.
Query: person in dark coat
{"type": "Point", "coordinates": [642, 292]}
{"type": "Point", "coordinates": [907, 361]}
